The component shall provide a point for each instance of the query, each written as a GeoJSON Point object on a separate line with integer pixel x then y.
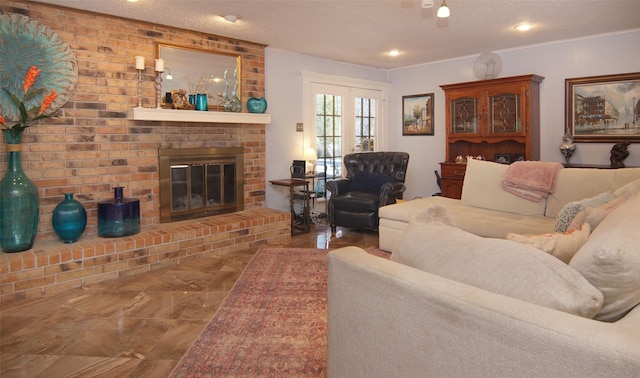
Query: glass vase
{"type": "Point", "coordinates": [69, 219]}
{"type": "Point", "coordinates": [119, 216]}
{"type": "Point", "coordinates": [19, 203]}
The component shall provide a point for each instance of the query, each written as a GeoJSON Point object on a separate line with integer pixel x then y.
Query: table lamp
{"type": "Point", "coordinates": [310, 157]}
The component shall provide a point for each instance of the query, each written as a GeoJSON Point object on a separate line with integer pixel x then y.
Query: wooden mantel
{"type": "Point", "coordinates": [173, 115]}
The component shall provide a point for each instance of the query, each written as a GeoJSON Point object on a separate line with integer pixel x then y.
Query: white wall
{"type": "Point", "coordinates": [284, 97]}
{"type": "Point", "coordinates": [598, 55]}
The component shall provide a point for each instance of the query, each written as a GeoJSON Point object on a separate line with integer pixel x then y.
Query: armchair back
{"type": "Point", "coordinates": [392, 164]}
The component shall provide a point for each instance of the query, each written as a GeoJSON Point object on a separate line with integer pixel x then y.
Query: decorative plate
{"type": "Point", "coordinates": [24, 42]}
{"type": "Point", "coordinates": [256, 105]}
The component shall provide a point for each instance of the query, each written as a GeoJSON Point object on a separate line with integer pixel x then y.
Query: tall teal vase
{"type": "Point", "coordinates": [69, 219]}
{"type": "Point", "coordinates": [19, 204]}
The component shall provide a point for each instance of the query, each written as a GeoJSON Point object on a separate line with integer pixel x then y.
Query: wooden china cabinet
{"type": "Point", "coordinates": [490, 118]}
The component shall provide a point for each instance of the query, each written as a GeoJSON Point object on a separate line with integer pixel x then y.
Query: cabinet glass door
{"type": "Point", "coordinates": [464, 115]}
{"type": "Point", "coordinates": [504, 113]}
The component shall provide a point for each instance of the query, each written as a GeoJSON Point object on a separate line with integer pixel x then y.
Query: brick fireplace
{"type": "Point", "coordinates": [90, 147]}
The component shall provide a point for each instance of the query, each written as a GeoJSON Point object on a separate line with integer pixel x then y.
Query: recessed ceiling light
{"type": "Point", "coordinates": [525, 26]}
{"type": "Point", "coordinates": [231, 18]}
{"type": "Point", "coordinates": [394, 53]}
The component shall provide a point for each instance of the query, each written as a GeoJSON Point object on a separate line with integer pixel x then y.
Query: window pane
{"type": "Point", "coordinates": [328, 133]}
{"type": "Point", "coordinates": [320, 126]}
{"type": "Point", "coordinates": [328, 105]}
{"type": "Point", "coordinates": [365, 119]}
{"type": "Point", "coordinates": [320, 104]}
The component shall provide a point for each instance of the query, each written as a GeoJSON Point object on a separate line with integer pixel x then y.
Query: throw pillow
{"type": "Point", "coordinates": [501, 266]}
{"type": "Point", "coordinates": [483, 188]}
{"type": "Point", "coordinates": [562, 245]}
{"type": "Point", "coordinates": [368, 182]}
{"type": "Point", "coordinates": [595, 215]}
{"type": "Point", "coordinates": [571, 209]}
{"type": "Point", "coordinates": [610, 260]}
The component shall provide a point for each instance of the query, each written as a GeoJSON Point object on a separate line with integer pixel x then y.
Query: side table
{"type": "Point", "coordinates": [302, 223]}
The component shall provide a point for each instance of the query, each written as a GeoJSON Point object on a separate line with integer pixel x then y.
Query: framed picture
{"type": "Point", "coordinates": [519, 157]}
{"type": "Point", "coordinates": [603, 108]}
{"type": "Point", "coordinates": [502, 158]}
{"type": "Point", "coordinates": [417, 114]}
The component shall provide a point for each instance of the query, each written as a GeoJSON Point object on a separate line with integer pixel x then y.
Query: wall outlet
{"type": "Point", "coordinates": [299, 126]}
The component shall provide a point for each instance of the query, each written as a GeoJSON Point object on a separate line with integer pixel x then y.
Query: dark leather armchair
{"type": "Point", "coordinates": [373, 179]}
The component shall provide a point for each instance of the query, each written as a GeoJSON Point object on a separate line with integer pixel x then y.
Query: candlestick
{"type": "Point", "coordinates": [139, 88]}
{"type": "Point", "coordinates": [139, 62]}
{"type": "Point", "coordinates": [140, 68]}
{"type": "Point", "coordinates": [158, 89]}
{"type": "Point", "coordinates": [160, 65]}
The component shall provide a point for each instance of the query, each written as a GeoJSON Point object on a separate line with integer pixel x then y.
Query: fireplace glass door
{"type": "Point", "coordinates": [200, 186]}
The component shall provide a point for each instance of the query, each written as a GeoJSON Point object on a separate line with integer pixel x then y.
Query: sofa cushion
{"type": "Point", "coordinates": [562, 245]}
{"type": "Point", "coordinates": [571, 209]}
{"type": "Point", "coordinates": [483, 188]}
{"type": "Point", "coordinates": [482, 222]}
{"type": "Point", "coordinates": [610, 260]}
{"type": "Point", "coordinates": [501, 266]}
{"type": "Point", "coordinates": [574, 184]}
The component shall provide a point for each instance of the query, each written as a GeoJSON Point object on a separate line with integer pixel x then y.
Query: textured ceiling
{"type": "Point", "coordinates": [363, 31]}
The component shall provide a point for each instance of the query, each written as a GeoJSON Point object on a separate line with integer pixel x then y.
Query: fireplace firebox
{"type": "Point", "coordinates": [199, 182]}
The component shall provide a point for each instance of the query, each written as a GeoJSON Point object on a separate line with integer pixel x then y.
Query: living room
{"type": "Point", "coordinates": [279, 143]}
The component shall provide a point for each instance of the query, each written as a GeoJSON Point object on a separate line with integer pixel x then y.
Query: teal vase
{"type": "Point", "coordinates": [19, 204]}
{"type": "Point", "coordinates": [69, 219]}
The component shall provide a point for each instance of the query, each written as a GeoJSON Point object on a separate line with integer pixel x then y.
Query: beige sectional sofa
{"type": "Point", "coordinates": [452, 302]}
{"type": "Point", "coordinates": [485, 209]}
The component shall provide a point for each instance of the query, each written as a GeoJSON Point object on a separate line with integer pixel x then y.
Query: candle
{"type": "Point", "coordinates": [139, 62]}
{"type": "Point", "coordinates": [159, 65]}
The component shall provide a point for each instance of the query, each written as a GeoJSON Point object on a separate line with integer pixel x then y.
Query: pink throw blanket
{"type": "Point", "coordinates": [532, 180]}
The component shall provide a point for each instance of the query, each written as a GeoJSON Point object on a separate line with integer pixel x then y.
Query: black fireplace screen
{"type": "Point", "coordinates": [200, 182]}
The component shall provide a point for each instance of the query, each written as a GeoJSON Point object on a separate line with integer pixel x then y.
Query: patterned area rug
{"type": "Point", "coordinates": [272, 323]}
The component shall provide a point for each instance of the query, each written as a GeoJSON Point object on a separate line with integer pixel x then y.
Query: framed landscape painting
{"type": "Point", "coordinates": [603, 108]}
{"type": "Point", "coordinates": [417, 114]}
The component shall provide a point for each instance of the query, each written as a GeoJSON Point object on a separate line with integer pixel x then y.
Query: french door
{"type": "Point", "coordinates": [347, 118]}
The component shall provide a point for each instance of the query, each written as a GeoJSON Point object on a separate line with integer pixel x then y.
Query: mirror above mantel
{"type": "Point", "coordinates": [199, 71]}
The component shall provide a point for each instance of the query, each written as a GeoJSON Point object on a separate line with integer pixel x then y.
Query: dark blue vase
{"type": "Point", "coordinates": [69, 219]}
{"type": "Point", "coordinates": [119, 216]}
{"type": "Point", "coordinates": [19, 203]}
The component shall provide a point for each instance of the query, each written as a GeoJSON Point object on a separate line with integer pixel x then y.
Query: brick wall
{"type": "Point", "coordinates": [91, 147]}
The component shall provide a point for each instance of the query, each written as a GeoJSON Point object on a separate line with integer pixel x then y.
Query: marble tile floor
{"type": "Point", "coordinates": [138, 326]}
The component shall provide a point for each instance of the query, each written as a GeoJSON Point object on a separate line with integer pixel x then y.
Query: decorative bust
{"type": "Point", "coordinates": [567, 148]}
{"type": "Point", "coordinates": [619, 153]}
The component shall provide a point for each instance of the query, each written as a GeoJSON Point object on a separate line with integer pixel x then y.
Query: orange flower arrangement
{"type": "Point", "coordinates": [35, 113]}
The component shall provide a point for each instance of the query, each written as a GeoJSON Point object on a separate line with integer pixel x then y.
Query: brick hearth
{"type": "Point", "coordinates": [54, 266]}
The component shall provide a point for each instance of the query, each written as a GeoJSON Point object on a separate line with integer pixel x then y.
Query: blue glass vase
{"type": "Point", "coordinates": [19, 203]}
{"type": "Point", "coordinates": [69, 219]}
{"type": "Point", "coordinates": [119, 216]}
{"type": "Point", "coordinates": [201, 102]}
